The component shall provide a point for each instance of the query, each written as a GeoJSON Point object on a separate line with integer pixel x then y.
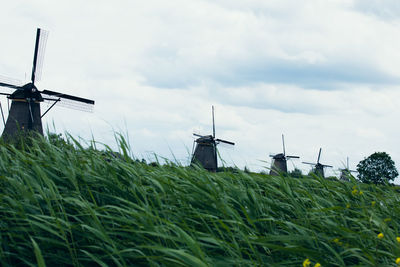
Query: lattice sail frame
{"type": "Point", "coordinates": [40, 56]}
{"type": "Point", "coordinates": [15, 82]}
{"type": "Point", "coordinates": [67, 103]}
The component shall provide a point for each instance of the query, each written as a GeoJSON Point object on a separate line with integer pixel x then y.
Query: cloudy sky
{"type": "Point", "coordinates": [326, 73]}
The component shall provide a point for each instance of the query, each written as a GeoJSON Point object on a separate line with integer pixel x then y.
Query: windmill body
{"type": "Point", "coordinates": [344, 175]}
{"type": "Point", "coordinates": [279, 161]}
{"type": "Point", "coordinates": [318, 169]}
{"type": "Point", "coordinates": [205, 151]}
{"type": "Point", "coordinates": [25, 113]}
{"type": "Point", "coordinates": [19, 118]}
{"type": "Point", "coordinates": [278, 165]}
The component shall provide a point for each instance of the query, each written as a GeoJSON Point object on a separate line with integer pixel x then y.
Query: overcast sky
{"type": "Point", "coordinates": [326, 73]}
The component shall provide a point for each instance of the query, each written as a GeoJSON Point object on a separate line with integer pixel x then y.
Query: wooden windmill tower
{"type": "Point", "coordinates": [346, 172]}
{"type": "Point", "coordinates": [279, 161]}
{"type": "Point", "coordinates": [205, 152]}
{"type": "Point", "coordinates": [318, 168]}
{"type": "Point", "coordinates": [24, 114]}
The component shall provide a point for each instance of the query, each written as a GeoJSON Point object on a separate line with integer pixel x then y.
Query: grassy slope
{"type": "Point", "coordinates": [70, 206]}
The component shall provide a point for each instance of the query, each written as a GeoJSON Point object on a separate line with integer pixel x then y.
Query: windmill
{"type": "Point", "coordinates": [205, 152]}
{"type": "Point", "coordinates": [346, 172]}
{"type": "Point", "coordinates": [279, 161]}
{"type": "Point", "coordinates": [318, 168]}
{"type": "Point", "coordinates": [24, 113]}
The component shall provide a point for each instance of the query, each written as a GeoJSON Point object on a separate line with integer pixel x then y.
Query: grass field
{"type": "Point", "coordinates": [65, 205]}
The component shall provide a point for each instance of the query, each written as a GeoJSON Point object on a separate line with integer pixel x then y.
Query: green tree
{"type": "Point", "coordinates": [378, 168]}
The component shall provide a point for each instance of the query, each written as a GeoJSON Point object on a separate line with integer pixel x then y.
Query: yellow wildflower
{"type": "Point", "coordinates": [361, 192]}
{"type": "Point", "coordinates": [387, 220]}
{"type": "Point", "coordinates": [354, 192]}
{"type": "Point", "coordinates": [398, 261]}
{"type": "Point", "coordinates": [317, 264]}
{"type": "Point", "coordinates": [380, 235]}
{"type": "Point", "coordinates": [398, 239]}
{"type": "Point", "coordinates": [306, 263]}
{"type": "Point", "coordinates": [373, 203]}
{"type": "Point", "coordinates": [348, 206]}
{"type": "Point", "coordinates": [337, 241]}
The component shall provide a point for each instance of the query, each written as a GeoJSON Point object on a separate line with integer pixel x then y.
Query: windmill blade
{"type": "Point", "coordinates": [40, 46]}
{"type": "Point", "coordinates": [198, 135]}
{"type": "Point", "coordinates": [293, 157]}
{"type": "Point", "coordinates": [224, 141]}
{"type": "Point", "coordinates": [319, 155]}
{"type": "Point", "coordinates": [7, 94]}
{"type": "Point", "coordinates": [66, 103]}
{"type": "Point", "coordinates": [348, 166]}
{"type": "Point", "coordinates": [10, 81]}
{"type": "Point", "coordinates": [283, 143]}
{"type": "Point", "coordinates": [309, 163]}
{"type": "Point", "coordinates": [35, 55]}
{"type": "Point", "coordinates": [329, 166]}
{"type": "Point", "coordinates": [10, 86]}
{"type": "Point", "coordinates": [70, 97]}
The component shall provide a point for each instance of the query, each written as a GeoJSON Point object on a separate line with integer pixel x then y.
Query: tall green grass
{"type": "Point", "coordinates": [66, 205]}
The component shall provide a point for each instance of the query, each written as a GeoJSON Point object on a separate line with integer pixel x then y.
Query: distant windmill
{"type": "Point", "coordinates": [279, 161]}
{"type": "Point", "coordinates": [24, 113]}
{"type": "Point", "coordinates": [205, 152]}
{"type": "Point", "coordinates": [346, 172]}
{"type": "Point", "coordinates": [318, 168]}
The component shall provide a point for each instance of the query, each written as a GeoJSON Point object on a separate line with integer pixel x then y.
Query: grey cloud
{"type": "Point", "coordinates": [382, 9]}
{"type": "Point", "coordinates": [321, 76]}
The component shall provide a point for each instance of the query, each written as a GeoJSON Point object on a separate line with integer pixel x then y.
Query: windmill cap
{"type": "Point", "coordinates": [29, 90]}
{"type": "Point", "coordinates": [205, 139]}
{"type": "Point", "coordinates": [278, 156]}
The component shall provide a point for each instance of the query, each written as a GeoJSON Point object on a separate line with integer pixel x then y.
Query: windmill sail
{"type": "Point", "coordinates": [10, 81]}
{"type": "Point", "coordinates": [224, 141]}
{"type": "Point", "coordinates": [67, 103]}
{"type": "Point", "coordinates": [40, 46]}
{"type": "Point", "coordinates": [9, 86]}
{"type": "Point", "coordinates": [69, 97]}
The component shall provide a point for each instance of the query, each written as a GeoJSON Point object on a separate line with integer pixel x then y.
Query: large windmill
{"type": "Point", "coordinates": [205, 152]}
{"type": "Point", "coordinates": [318, 168]}
{"type": "Point", "coordinates": [279, 161]}
{"type": "Point", "coordinates": [346, 172]}
{"type": "Point", "coordinates": [24, 113]}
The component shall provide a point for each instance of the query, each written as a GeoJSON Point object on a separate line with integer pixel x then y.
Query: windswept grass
{"type": "Point", "coordinates": [63, 205]}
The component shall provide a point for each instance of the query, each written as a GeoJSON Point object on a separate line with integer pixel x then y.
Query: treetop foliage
{"type": "Point", "coordinates": [378, 168]}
